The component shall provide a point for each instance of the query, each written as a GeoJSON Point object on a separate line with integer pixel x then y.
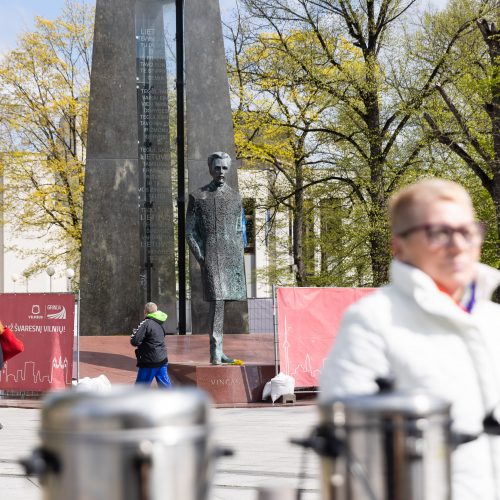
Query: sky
{"type": "Point", "coordinates": [17, 16]}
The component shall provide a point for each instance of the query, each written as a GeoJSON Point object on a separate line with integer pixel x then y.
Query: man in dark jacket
{"type": "Point", "coordinates": [151, 353]}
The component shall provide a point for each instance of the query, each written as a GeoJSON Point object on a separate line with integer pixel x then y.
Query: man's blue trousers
{"type": "Point", "coordinates": [146, 376]}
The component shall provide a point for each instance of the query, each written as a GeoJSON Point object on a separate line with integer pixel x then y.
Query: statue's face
{"type": "Point", "coordinates": [218, 170]}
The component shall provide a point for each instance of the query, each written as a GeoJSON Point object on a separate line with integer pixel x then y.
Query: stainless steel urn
{"type": "Point", "coordinates": [391, 446]}
{"type": "Point", "coordinates": [129, 443]}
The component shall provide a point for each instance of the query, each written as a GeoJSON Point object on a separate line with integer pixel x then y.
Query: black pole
{"type": "Point", "coordinates": [148, 205]}
{"type": "Point", "coordinates": [181, 212]}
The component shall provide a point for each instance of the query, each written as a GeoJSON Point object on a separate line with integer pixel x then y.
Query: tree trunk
{"type": "Point", "coordinates": [495, 122]}
{"type": "Point", "coordinates": [379, 248]}
{"type": "Point", "coordinates": [298, 224]}
{"type": "Point", "coordinates": [491, 36]}
{"type": "Point", "coordinates": [378, 240]}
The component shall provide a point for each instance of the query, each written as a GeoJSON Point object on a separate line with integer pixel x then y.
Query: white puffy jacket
{"type": "Point", "coordinates": [415, 333]}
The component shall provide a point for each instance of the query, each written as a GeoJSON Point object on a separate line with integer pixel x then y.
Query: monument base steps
{"type": "Point", "coordinates": [188, 356]}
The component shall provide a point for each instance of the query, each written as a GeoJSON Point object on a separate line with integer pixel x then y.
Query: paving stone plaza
{"type": "Point", "coordinates": [260, 440]}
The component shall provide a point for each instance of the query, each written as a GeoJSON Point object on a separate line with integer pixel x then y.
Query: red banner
{"type": "Point", "coordinates": [308, 319]}
{"type": "Point", "coordinates": [45, 324]}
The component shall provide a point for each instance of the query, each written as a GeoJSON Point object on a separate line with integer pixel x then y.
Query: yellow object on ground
{"type": "Point", "coordinates": [237, 362]}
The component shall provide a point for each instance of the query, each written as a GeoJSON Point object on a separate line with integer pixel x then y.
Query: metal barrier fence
{"type": "Point", "coordinates": [260, 315]}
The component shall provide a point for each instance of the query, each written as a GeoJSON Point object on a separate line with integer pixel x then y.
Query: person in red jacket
{"type": "Point", "coordinates": [10, 346]}
{"type": "Point", "coordinates": [2, 329]}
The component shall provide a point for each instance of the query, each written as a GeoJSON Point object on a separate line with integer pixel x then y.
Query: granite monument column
{"type": "Point", "coordinates": [113, 282]}
{"type": "Point", "coordinates": [209, 128]}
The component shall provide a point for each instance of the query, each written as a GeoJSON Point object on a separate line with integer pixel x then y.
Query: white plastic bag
{"type": "Point", "coordinates": [279, 386]}
{"type": "Point", "coordinates": [97, 384]}
{"type": "Point", "coordinates": [266, 392]}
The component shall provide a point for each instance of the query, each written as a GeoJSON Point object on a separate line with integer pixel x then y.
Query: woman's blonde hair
{"type": "Point", "coordinates": [402, 204]}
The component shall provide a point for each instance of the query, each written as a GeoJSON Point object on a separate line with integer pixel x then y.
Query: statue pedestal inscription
{"type": "Point", "coordinates": [225, 384]}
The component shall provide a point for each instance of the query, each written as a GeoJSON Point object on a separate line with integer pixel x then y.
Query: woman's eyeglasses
{"type": "Point", "coordinates": [441, 235]}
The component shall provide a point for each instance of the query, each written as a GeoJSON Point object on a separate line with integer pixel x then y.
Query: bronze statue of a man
{"type": "Point", "coordinates": [214, 232]}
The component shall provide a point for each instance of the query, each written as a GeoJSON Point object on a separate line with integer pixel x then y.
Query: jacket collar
{"type": "Point", "coordinates": [412, 281]}
{"type": "Point", "coordinates": [215, 188]}
{"type": "Point", "coordinates": [488, 280]}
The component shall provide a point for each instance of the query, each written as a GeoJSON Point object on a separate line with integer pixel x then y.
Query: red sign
{"type": "Point", "coordinates": [45, 324]}
{"type": "Point", "coordinates": [308, 319]}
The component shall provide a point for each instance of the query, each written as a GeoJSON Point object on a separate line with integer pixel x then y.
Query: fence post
{"type": "Point", "coordinates": [275, 325]}
{"type": "Point", "coordinates": [78, 337]}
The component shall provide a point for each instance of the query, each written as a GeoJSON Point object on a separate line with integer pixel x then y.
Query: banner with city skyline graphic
{"type": "Point", "coordinates": [45, 324]}
{"type": "Point", "coordinates": [308, 319]}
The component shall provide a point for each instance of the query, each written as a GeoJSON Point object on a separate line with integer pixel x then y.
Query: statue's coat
{"type": "Point", "coordinates": [214, 233]}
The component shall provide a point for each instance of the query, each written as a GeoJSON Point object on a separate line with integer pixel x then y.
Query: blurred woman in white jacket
{"type": "Point", "coordinates": [432, 328]}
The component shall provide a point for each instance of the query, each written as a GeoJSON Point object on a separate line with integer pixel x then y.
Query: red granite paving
{"type": "Point", "coordinates": [21, 403]}
{"type": "Point", "coordinates": [114, 357]}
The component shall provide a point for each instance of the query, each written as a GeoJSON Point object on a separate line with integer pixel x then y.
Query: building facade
{"type": "Point", "coordinates": [16, 259]}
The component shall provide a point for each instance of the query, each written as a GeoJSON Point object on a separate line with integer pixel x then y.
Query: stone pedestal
{"type": "Point", "coordinates": [224, 384]}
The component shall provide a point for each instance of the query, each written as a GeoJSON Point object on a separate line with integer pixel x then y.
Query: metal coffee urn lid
{"type": "Point", "coordinates": [129, 442]}
{"type": "Point", "coordinates": [412, 404]}
{"type": "Point", "coordinates": [388, 445]}
{"type": "Point", "coordinates": [123, 408]}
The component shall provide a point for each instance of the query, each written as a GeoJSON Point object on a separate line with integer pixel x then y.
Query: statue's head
{"type": "Point", "coordinates": [219, 164]}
